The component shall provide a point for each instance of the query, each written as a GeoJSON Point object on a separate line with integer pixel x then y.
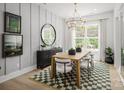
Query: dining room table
{"type": "Point", "coordinates": [74, 58]}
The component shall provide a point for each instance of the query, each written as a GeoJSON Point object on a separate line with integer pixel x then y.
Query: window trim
{"type": "Point", "coordinates": [86, 36]}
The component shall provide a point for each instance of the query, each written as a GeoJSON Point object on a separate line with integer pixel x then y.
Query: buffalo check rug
{"type": "Point", "coordinates": [97, 79]}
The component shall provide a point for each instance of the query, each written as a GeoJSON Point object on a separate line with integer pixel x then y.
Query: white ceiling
{"type": "Point", "coordinates": [66, 10]}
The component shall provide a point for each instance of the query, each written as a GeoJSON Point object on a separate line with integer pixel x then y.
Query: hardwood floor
{"type": "Point", "coordinates": [24, 83]}
{"type": "Point", "coordinates": [116, 83]}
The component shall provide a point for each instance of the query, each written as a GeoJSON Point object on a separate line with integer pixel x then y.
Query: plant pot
{"type": "Point", "coordinates": [109, 60]}
{"type": "Point", "coordinates": [71, 52]}
{"type": "Point", "coordinates": [78, 49]}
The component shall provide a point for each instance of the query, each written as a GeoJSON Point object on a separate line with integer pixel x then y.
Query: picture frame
{"type": "Point", "coordinates": [12, 45]}
{"type": "Point", "coordinates": [12, 23]}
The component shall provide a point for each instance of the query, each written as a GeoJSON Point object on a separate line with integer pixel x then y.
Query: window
{"type": "Point", "coordinates": [87, 36]}
{"type": "Point", "coordinates": [80, 31]}
{"type": "Point", "coordinates": [92, 31]}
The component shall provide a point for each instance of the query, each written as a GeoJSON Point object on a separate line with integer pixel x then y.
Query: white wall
{"type": "Point", "coordinates": [26, 31]}
{"type": "Point", "coordinates": [48, 17]}
{"type": "Point", "coordinates": [2, 61]}
{"type": "Point", "coordinates": [33, 18]}
{"type": "Point", "coordinates": [35, 28]}
{"type": "Point", "coordinates": [12, 63]}
{"type": "Point", "coordinates": [117, 34]}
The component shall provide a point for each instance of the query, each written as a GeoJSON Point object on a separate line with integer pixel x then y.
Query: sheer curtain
{"type": "Point", "coordinates": [103, 29]}
{"type": "Point", "coordinates": [69, 38]}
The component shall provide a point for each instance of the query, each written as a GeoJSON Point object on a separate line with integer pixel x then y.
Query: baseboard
{"type": "Point", "coordinates": [17, 73]}
{"type": "Point", "coordinates": [122, 79]}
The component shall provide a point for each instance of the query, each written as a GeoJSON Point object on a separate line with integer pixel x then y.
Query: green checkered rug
{"type": "Point", "coordinates": [97, 79]}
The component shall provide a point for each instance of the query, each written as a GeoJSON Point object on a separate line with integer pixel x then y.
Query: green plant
{"type": "Point", "coordinates": [80, 42]}
{"type": "Point", "coordinates": [78, 46]}
{"type": "Point", "coordinates": [108, 51]}
{"type": "Point", "coordinates": [43, 45]}
{"type": "Point", "coordinates": [94, 42]}
{"type": "Point", "coordinates": [71, 49]}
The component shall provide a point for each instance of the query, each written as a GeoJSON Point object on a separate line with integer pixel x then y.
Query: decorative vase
{"type": "Point", "coordinates": [71, 52]}
{"type": "Point", "coordinates": [78, 49]}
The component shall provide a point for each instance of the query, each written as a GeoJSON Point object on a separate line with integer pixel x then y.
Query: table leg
{"type": "Point", "coordinates": [53, 67]}
{"type": "Point", "coordinates": [78, 73]}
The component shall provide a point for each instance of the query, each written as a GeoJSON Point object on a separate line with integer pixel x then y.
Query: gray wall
{"type": "Point", "coordinates": [56, 21]}
{"type": "Point", "coordinates": [2, 61]}
{"type": "Point", "coordinates": [33, 17]}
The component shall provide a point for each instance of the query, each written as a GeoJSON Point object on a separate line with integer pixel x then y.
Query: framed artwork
{"type": "Point", "coordinates": [12, 45]}
{"type": "Point", "coordinates": [12, 23]}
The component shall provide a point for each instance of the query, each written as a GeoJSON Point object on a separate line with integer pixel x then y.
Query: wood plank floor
{"type": "Point", "coordinates": [24, 83]}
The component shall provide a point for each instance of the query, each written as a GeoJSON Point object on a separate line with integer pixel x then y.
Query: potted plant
{"type": "Point", "coordinates": [43, 46]}
{"type": "Point", "coordinates": [109, 55]}
{"type": "Point", "coordinates": [78, 49]}
{"type": "Point", "coordinates": [71, 51]}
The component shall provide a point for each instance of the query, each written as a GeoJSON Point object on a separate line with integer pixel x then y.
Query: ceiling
{"type": "Point", "coordinates": [66, 10]}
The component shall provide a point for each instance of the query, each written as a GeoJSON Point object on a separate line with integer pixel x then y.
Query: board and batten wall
{"type": "Point", "coordinates": [33, 18]}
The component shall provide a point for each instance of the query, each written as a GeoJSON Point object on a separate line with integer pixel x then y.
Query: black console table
{"type": "Point", "coordinates": [44, 57]}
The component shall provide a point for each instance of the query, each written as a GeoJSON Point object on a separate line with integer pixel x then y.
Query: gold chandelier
{"type": "Point", "coordinates": [76, 19]}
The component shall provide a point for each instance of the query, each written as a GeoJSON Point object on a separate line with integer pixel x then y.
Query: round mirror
{"type": "Point", "coordinates": [48, 34]}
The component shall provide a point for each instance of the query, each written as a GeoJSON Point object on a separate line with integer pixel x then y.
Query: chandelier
{"type": "Point", "coordinates": [76, 19]}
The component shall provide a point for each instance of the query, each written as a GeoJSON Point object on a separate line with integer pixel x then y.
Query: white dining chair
{"type": "Point", "coordinates": [91, 59]}
{"type": "Point", "coordinates": [87, 61]}
{"type": "Point", "coordinates": [63, 66]}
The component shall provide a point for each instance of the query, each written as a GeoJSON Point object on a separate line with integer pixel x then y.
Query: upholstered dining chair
{"type": "Point", "coordinates": [87, 63]}
{"type": "Point", "coordinates": [91, 59]}
{"type": "Point", "coordinates": [63, 66]}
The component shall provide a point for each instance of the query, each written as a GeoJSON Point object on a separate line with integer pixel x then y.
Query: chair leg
{"type": "Point", "coordinates": [88, 68]}
{"type": "Point", "coordinates": [65, 74]}
{"type": "Point", "coordinates": [55, 75]}
{"type": "Point", "coordinates": [93, 64]}
{"type": "Point", "coordinates": [92, 61]}
{"type": "Point", "coordinates": [55, 78]}
{"type": "Point", "coordinates": [87, 64]}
